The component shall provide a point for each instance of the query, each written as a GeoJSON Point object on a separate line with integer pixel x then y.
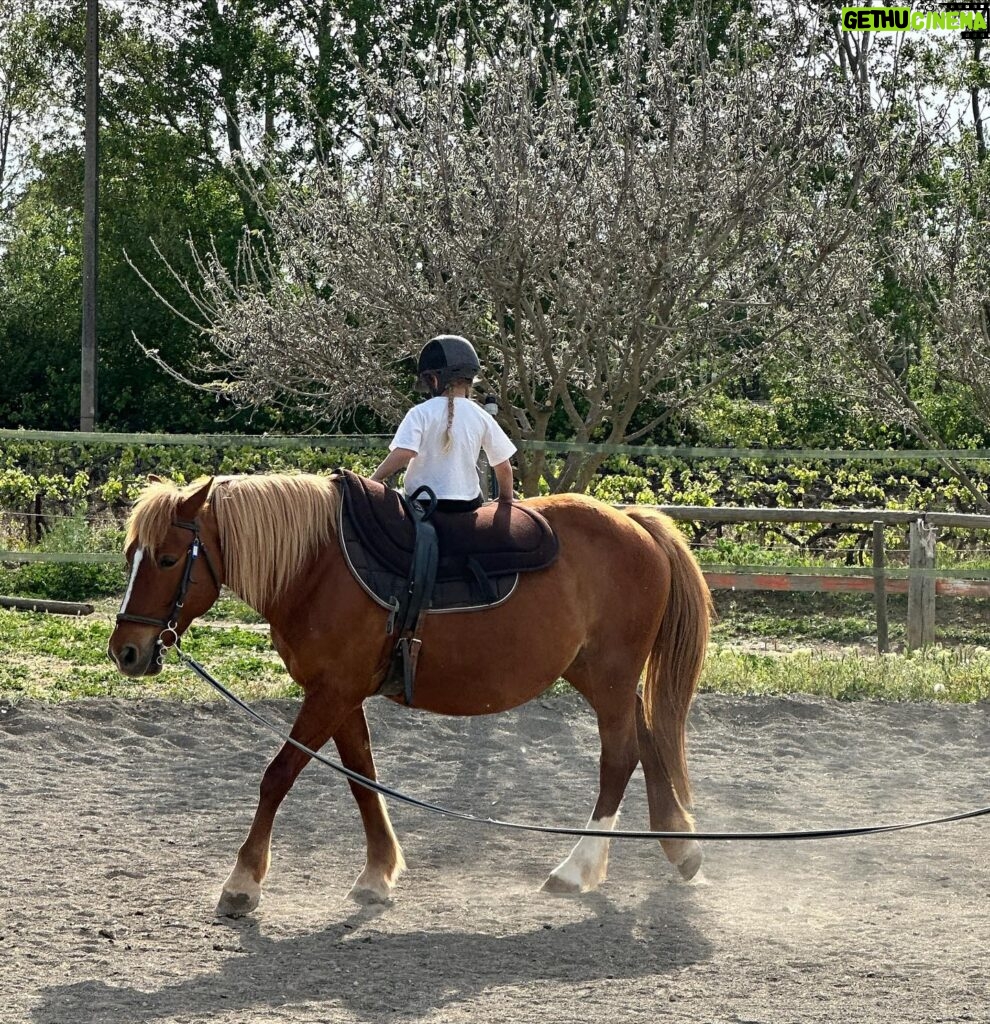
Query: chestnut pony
{"type": "Point", "coordinates": [624, 595]}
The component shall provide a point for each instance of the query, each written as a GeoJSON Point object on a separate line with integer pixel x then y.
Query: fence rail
{"type": "Point", "coordinates": [945, 585]}
{"type": "Point", "coordinates": [345, 442]}
{"type": "Point", "coordinates": [922, 581]}
{"type": "Point", "coordinates": [63, 557]}
{"type": "Point", "coordinates": [864, 516]}
{"type": "Point", "coordinates": [351, 442]}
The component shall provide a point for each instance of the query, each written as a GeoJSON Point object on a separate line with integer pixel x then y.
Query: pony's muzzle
{"type": "Point", "coordinates": [132, 661]}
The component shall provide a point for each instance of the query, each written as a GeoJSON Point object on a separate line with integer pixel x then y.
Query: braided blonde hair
{"type": "Point", "coordinates": [448, 435]}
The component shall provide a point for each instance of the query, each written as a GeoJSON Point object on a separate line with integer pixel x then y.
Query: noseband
{"type": "Point", "coordinates": [169, 636]}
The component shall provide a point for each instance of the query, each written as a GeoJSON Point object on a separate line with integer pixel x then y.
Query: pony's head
{"type": "Point", "coordinates": [256, 534]}
{"type": "Point", "coordinates": [175, 573]}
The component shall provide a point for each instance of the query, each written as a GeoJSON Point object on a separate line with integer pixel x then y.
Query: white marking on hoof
{"type": "Point", "coordinates": [560, 887]}
{"type": "Point", "coordinates": [241, 894]}
{"type": "Point", "coordinates": [586, 865]}
{"type": "Point", "coordinates": [690, 864]}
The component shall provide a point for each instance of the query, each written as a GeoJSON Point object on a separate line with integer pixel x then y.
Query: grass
{"type": "Point", "coordinates": [937, 674]}
{"type": "Point", "coordinates": [840, 619]}
{"type": "Point", "coordinates": [53, 658]}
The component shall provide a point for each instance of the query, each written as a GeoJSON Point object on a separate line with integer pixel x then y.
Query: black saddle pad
{"type": "Point", "coordinates": [501, 539]}
{"type": "Point", "coordinates": [384, 585]}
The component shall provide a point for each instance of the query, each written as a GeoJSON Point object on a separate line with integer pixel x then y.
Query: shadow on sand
{"type": "Point", "coordinates": [392, 977]}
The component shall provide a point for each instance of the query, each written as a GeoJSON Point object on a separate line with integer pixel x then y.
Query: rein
{"type": "Point", "coordinates": [377, 787]}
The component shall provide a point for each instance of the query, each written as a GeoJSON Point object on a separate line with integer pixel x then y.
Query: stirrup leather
{"type": "Point", "coordinates": [409, 613]}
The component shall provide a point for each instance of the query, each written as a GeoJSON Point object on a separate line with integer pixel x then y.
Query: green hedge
{"type": "Point", "coordinates": [84, 493]}
{"type": "Point", "coordinates": [62, 582]}
{"type": "Point", "coordinates": [109, 477]}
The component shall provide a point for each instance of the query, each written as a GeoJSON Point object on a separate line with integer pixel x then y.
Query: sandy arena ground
{"type": "Point", "coordinates": [119, 821]}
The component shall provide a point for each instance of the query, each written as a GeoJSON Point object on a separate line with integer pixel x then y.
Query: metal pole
{"type": "Point", "coordinates": [91, 219]}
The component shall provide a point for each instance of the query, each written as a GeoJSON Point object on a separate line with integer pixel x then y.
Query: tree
{"type": "Point", "coordinates": [151, 188]}
{"type": "Point", "coordinates": [21, 94]}
{"type": "Point", "coordinates": [611, 229]}
{"type": "Point", "coordinates": [914, 344]}
{"type": "Point", "coordinates": [157, 183]}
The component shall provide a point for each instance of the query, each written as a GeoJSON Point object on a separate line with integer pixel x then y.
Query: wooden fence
{"type": "Point", "coordinates": [920, 580]}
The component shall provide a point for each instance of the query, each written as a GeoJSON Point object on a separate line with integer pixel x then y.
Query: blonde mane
{"type": "Point", "coordinates": [153, 512]}
{"type": "Point", "coordinates": [269, 526]}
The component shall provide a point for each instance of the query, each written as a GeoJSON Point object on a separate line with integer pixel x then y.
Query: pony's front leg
{"type": "Point", "coordinates": [313, 726]}
{"type": "Point", "coordinates": [384, 861]}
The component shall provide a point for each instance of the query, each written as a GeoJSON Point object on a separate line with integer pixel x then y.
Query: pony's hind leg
{"type": "Point", "coordinates": [384, 861]}
{"type": "Point", "coordinates": [586, 866]}
{"type": "Point", "coordinates": [313, 726]}
{"type": "Point", "coordinates": [667, 814]}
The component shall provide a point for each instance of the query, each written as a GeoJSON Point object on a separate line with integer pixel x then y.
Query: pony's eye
{"type": "Point", "coordinates": [167, 561]}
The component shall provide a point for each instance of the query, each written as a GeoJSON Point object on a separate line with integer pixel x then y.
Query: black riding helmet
{"type": "Point", "coordinates": [445, 358]}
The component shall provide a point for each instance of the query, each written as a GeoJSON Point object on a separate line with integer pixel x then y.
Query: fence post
{"type": "Point", "coordinates": [880, 589]}
{"type": "Point", "coordinates": [921, 589]}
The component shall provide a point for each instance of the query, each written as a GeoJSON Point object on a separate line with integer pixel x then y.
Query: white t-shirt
{"type": "Point", "coordinates": [451, 474]}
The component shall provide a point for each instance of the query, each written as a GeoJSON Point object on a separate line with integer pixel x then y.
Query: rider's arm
{"type": "Point", "coordinates": [396, 460]}
{"type": "Point", "coordinates": [503, 477]}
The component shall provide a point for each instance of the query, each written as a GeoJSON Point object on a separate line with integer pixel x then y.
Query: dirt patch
{"type": "Point", "coordinates": [119, 821]}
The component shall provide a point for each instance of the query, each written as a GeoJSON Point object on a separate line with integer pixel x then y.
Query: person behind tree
{"type": "Point", "coordinates": [438, 441]}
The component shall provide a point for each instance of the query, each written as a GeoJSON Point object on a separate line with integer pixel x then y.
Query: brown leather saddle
{"type": "Point", "coordinates": [413, 560]}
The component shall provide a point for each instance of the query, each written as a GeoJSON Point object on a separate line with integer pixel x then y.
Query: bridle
{"type": "Point", "coordinates": [169, 626]}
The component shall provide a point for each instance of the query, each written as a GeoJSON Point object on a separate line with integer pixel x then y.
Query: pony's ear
{"type": "Point", "coordinates": [189, 508]}
{"type": "Point", "coordinates": [154, 478]}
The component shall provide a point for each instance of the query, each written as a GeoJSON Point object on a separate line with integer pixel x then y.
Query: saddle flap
{"type": "Point", "coordinates": [502, 539]}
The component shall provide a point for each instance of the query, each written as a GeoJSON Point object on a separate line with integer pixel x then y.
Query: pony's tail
{"type": "Point", "coordinates": [678, 653]}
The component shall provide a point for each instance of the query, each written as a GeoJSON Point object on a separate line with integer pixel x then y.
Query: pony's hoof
{"type": "Point", "coordinates": [557, 886]}
{"type": "Point", "coordinates": [236, 904]}
{"type": "Point", "coordinates": [691, 864]}
{"type": "Point", "coordinates": [373, 887]}
{"type": "Point", "coordinates": [365, 897]}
